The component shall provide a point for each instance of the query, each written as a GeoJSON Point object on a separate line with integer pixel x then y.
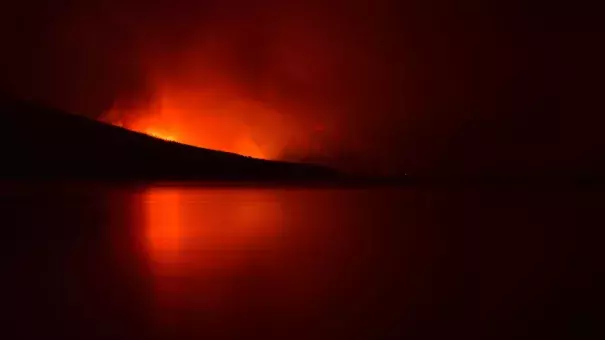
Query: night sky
{"type": "Point", "coordinates": [423, 87]}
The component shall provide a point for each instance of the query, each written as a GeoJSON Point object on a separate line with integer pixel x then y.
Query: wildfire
{"type": "Point", "coordinates": [159, 135]}
{"type": "Point", "coordinates": [222, 124]}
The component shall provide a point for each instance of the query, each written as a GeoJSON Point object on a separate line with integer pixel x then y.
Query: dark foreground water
{"type": "Point", "coordinates": [83, 261]}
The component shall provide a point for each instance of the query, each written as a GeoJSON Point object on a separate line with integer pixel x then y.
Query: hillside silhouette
{"type": "Point", "coordinates": [44, 143]}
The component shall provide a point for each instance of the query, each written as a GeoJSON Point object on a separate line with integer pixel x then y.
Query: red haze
{"type": "Point", "coordinates": [251, 80]}
{"type": "Point", "coordinates": [382, 86]}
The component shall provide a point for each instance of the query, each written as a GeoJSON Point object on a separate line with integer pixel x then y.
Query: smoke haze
{"type": "Point", "coordinates": [373, 86]}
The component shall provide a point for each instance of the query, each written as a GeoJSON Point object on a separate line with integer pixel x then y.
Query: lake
{"type": "Point", "coordinates": [190, 261]}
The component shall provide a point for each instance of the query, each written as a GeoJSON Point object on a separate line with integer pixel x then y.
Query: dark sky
{"type": "Point", "coordinates": [500, 86]}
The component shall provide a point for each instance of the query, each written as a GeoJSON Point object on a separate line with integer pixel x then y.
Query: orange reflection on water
{"type": "Point", "coordinates": [202, 237]}
{"type": "Point", "coordinates": [163, 229]}
{"type": "Point", "coordinates": [224, 261]}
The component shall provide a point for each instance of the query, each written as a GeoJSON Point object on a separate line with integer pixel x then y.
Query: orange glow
{"type": "Point", "coordinates": [206, 234]}
{"type": "Point", "coordinates": [206, 119]}
{"type": "Point", "coordinates": [181, 224]}
{"type": "Point", "coordinates": [235, 87]}
{"type": "Point", "coordinates": [160, 135]}
{"type": "Point", "coordinates": [221, 251]}
{"type": "Point", "coordinates": [164, 234]}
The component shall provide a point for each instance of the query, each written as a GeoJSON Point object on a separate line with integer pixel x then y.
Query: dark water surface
{"type": "Point", "coordinates": [98, 261]}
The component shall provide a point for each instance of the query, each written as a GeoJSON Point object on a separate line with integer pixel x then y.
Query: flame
{"type": "Point", "coordinates": [160, 135]}
{"type": "Point", "coordinates": [203, 119]}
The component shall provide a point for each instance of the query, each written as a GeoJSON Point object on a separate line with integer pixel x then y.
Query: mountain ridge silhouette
{"type": "Point", "coordinates": [36, 141]}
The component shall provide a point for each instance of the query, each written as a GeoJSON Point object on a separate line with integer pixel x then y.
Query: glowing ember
{"type": "Point", "coordinates": [160, 135]}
